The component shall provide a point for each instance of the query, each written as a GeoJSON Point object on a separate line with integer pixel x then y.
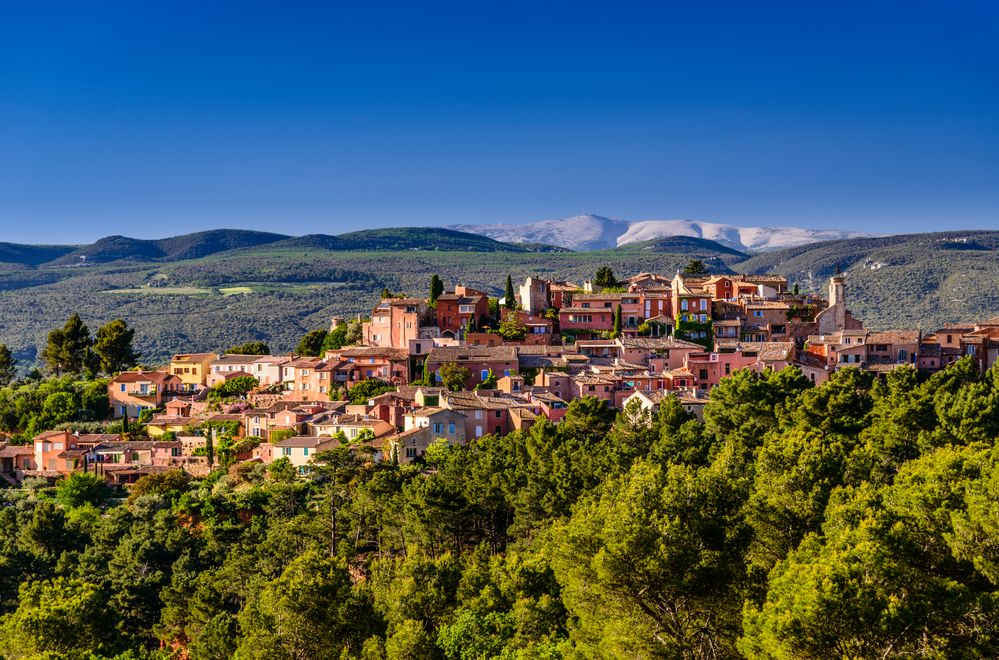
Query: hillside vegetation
{"type": "Point", "coordinates": [275, 290]}
{"type": "Point", "coordinates": [855, 519]}
{"type": "Point", "coordinates": [914, 280]}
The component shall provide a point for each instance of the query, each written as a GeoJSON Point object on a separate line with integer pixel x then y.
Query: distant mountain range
{"type": "Point", "coordinates": [213, 289]}
{"type": "Point", "coordinates": [594, 232]}
{"type": "Point", "coordinates": [579, 233]}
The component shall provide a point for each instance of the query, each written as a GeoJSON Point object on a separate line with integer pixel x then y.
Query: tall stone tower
{"type": "Point", "coordinates": [833, 318]}
{"type": "Point", "coordinates": [837, 289]}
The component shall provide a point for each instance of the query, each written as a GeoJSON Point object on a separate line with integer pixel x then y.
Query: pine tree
{"type": "Point", "coordinates": [605, 278]}
{"type": "Point", "coordinates": [508, 298]}
{"type": "Point", "coordinates": [695, 267]}
{"type": "Point", "coordinates": [114, 347]}
{"type": "Point", "coordinates": [436, 289]}
{"type": "Point", "coordinates": [8, 365]}
{"type": "Point", "coordinates": [69, 348]}
{"type": "Point", "coordinates": [617, 321]}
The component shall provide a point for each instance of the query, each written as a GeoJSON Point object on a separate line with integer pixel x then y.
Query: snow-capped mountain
{"type": "Point", "coordinates": [594, 232]}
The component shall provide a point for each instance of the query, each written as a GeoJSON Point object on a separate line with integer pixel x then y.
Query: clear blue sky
{"type": "Point", "coordinates": [150, 118]}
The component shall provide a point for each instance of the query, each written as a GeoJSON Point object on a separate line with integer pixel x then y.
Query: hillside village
{"type": "Point", "coordinates": [458, 365]}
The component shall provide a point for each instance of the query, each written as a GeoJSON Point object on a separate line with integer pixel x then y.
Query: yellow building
{"type": "Point", "coordinates": [192, 368]}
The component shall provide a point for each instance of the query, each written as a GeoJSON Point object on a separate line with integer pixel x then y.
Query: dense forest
{"type": "Point", "coordinates": [856, 519]}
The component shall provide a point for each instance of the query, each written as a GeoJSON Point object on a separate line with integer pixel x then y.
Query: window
{"type": "Point", "coordinates": [438, 427]}
{"type": "Point", "coordinates": [305, 451]}
{"type": "Point", "coordinates": [450, 428]}
{"type": "Point", "coordinates": [286, 451]}
{"type": "Point", "coordinates": [123, 387]}
{"type": "Point", "coordinates": [757, 312]}
{"type": "Point", "coordinates": [485, 374]}
{"type": "Point", "coordinates": [499, 413]}
{"type": "Point", "coordinates": [703, 374]}
{"type": "Point", "coordinates": [683, 304]}
{"type": "Point", "coordinates": [704, 304]}
{"type": "Point", "coordinates": [410, 452]}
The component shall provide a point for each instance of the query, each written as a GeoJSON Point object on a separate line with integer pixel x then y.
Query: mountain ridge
{"type": "Point", "coordinates": [595, 232]}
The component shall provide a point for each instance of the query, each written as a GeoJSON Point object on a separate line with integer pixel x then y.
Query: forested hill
{"type": "Point", "coordinates": [113, 249]}
{"type": "Point", "coordinates": [852, 519]}
{"type": "Point", "coordinates": [268, 287]}
{"type": "Point", "coordinates": [914, 280]}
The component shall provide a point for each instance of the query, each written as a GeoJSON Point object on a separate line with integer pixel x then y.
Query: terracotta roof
{"type": "Point", "coordinates": [143, 376]}
{"type": "Point", "coordinates": [658, 343]}
{"type": "Point", "coordinates": [603, 296]}
{"type": "Point", "coordinates": [472, 353]}
{"type": "Point", "coordinates": [309, 441]}
{"type": "Point", "coordinates": [587, 310]}
{"type": "Point", "coordinates": [374, 351]}
{"type": "Point", "coordinates": [13, 451]}
{"type": "Point", "coordinates": [192, 357]}
{"type": "Point", "coordinates": [235, 358]}
{"type": "Point", "coordinates": [894, 337]}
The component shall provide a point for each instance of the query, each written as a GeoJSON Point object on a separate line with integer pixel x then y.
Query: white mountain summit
{"type": "Point", "coordinates": [594, 232]}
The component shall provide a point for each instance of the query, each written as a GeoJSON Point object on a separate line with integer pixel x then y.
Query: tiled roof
{"type": "Point", "coordinates": [192, 357]}
{"type": "Point", "coordinates": [373, 351]}
{"type": "Point", "coordinates": [304, 441]}
{"type": "Point", "coordinates": [235, 358]}
{"type": "Point", "coordinates": [894, 337]}
{"type": "Point", "coordinates": [143, 376]}
{"type": "Point", "coordinates": [586, 310]}
{"type": "Point", "coordinates": [472, 353]}
{"type": "Point", "coordinates": [658, 343]}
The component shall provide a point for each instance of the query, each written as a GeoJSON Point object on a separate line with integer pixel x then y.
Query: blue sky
{"type": "Point", "coordinates": [155, 118]}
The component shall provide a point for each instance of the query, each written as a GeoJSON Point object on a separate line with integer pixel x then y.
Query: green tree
{"type": "Point", "coordinates": [172, 483]}
{"type": "Point", "coordinates": [63, 617]}
{"type": "Point", "coordinates": [8, 366]}
{"type": "Point", "coordinates": [113, 347]}
{"type": "Point", "coordinates": [605, 278]}
{"type": "Point", "coordinates": [282, 470]}
{"type": "Point", "coordinates": [617, 323]}
{"type": "Point", "coordinates": [436, 289]}
{"type": "Point", "coordinates": [238, 386]}
{"type": "Point", "coordinates": [60, 407]}
{"type": "Point", "coordinates": [79, 488]}
{"type": "Point", "coordinates": [310, 611]}
{"type": "Point", "coordinates": [695, 267]}
{"type": "Point", "coordinates": [509, 299]}
{"type": "Point", "coordinates": [68, 349]}
{"type": "Point", "coordinates": [367, 389]}
{"type": "Point", "coordinates": [652, 566]}
{"type": "Point", "coordinates": [511, 327]}
{"type": "Point", "coordinates": [873, 583]}
{"type": "Point", "coordinates": [250, 348]}
{"type": "Point", "coordinates": [312, 343]}
{"type": "Point", "coordinates": [453, 376]}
